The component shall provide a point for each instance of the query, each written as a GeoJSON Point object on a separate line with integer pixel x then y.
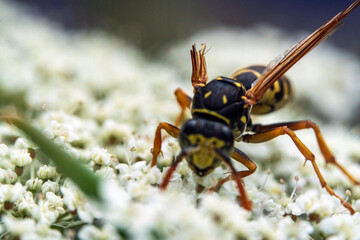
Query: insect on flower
{"type": "Point", "coordinates": [221, 114]}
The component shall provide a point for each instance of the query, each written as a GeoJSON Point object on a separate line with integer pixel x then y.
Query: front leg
{"type": "Point", "coordinates": [171, 130]}
{"type": "Point", "coordinates": [184, 102]}
{"type": "Point", "coordinates": [183, 154]}
{"type": "Point", "coordinates": [241, 157]}
{"type": "Point", "coordinates": [245, 202]}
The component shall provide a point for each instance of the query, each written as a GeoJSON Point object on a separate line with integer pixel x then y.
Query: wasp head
{"type": "Point", "coordinates": [207, 137]}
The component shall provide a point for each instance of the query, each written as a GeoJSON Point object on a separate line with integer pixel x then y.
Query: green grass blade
{"type": "Point", "coordinates": [86, 180]}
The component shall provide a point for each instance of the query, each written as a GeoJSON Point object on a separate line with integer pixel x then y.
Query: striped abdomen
{"type": "Point", "coordinates": [274, 98]}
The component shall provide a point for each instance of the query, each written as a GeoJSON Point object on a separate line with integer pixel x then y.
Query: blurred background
{"type": "Point", "coordinates": [150, 25]}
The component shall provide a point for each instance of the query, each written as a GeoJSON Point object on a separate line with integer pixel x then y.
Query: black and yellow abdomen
{"type": "Point", "coordinates": [278, 95]}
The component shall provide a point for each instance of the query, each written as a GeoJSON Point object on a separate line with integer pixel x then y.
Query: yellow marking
{"type": "Point", "coordinates": [215, 114]}
{"type": "Point", "coordinates": [207, 94]}
{"type": "Point", "coordinates": [246, 105]}
{"type": "Point", "coordinates": [269, 103]}
{"type": "Point", "coordinates": [257, 74]}
{"type": "Point", "coordinates": [261, 108]}
{"type": "Point", "coordinates": [205, 157]}
{"type": "Point", "coordinates": [245, 70]}
{"type": "Point", "coordinates": [243, 119]}
{"type": "Point", "coordinates": [270, 98]}
{"type": "Point", "coordinates": [199, 139]}
{"type": "Point", "coordinates": [276, 87]}
{"type": "Point", "coordinates": [238, 84]}
{"type": "Point", "coordinates": [219, 78]}
{"type": "Point", "coordinates": [237, 133]}
{"type": "Point", "coordinates": [224, 99]}
{"type": "Point", "coordinates": [241, 70]}
{"type": "Point", "coordinates": [198, 85]}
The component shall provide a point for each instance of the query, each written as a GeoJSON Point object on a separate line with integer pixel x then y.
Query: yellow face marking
{"type": "Point", "coordinates": [207, 94]}
{"type": "Point", "coordinates": [227, 121]}
{"type": "Point", "coordinates": [204, 141]}
{"type": "Point", "coordinates": [224, 99]}
{"type": "Point", "coordinates": [205, 157]}
{"type": "Point", "coordinates": [219, 78]}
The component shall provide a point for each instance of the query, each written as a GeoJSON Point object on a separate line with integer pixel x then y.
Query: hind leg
{"type": "Point", "coordinates": [306, 124]}
{"type": "Point", "coordinates": [281, 129]}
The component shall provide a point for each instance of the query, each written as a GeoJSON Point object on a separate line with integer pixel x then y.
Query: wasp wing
{"type": "Point", "coordinates": [281, 64]}
{"type": "Point", "coordinates": [199, 75]}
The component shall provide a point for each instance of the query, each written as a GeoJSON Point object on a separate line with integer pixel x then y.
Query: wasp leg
{"type": "Point", "coordinates": [306, 124]}
{"type": "Point", "coordinates": [245, 202]}
{"type": "Point", "coordinates": [175, 162]}
{"type": "Point", "coordinates": [171, 130]}
{"type": "Point", "coordinates": [241, 157]}
{"type": "Point", "coordinates": [171, 170]}
{"type": "Point", "coordinates": [184, 102]}
{"type": "Point", "coordinates": [281, 130]}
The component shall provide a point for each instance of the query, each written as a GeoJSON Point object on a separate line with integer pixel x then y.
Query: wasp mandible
{"type": "Point", "coordinates": [221, 114]}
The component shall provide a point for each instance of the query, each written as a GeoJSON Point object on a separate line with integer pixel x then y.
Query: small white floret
{"type": "Point", "coordinates": [34, 184]}
{"type": "Point", "coordinates": [47, 172]}
{"type": "Point", "coordinates": [50, 186]}
{"type": "Point", "coordinates": [20, 157]}
{"type": "Point", "coordinates": [100, 156]}
{"type": "Point", "coordinates": [3, 150]}
{"type": "Point", "coordinates": [11, 193]}
{"type": "Point", "coordinates": [18, 227]}
{"type": "Point", "coordinates": [7, 176]}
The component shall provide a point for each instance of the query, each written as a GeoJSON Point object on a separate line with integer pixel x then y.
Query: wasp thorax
{"type": "Point", "coordinates": [222, 100]}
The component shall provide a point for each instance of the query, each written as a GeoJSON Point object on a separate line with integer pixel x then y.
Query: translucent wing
{"type": "Point", "coordinates": [281, 64]}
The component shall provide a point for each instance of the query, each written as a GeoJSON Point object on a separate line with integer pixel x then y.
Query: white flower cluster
{"type": "Point", "coordinates": [105, 114]}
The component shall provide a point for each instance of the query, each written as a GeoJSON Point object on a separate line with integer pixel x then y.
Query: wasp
{"type": "Point", "coordinates": [221, 114]}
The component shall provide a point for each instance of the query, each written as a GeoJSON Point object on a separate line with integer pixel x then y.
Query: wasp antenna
{"type": "Point", "coordinates": [282, 64]}
{"type": "Point", "coordinates": [199, 75]}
